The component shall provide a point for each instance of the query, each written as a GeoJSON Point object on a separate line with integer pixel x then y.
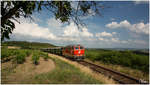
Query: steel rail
{"type": "Point", "coordinates": [117, 76]}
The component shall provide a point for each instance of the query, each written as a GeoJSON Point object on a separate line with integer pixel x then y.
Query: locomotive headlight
{"type": "Point", "coordinates": [79, 52]}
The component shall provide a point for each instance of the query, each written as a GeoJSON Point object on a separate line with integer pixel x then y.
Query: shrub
{"type": "Point", "coordinates": [4, 53]}
{"type": "Point", "coordinates": [46, 56]}
{"type": "Point", "coordinates": [15, 52]}
{"type": "Point", "coordinates": [35, 58]}
{"type": "Point", "coordinates": [28, 52]}
{"type": "Point", "coordinates": [20, 57]}
{"type": "Point", "coordinates": [125, 58]}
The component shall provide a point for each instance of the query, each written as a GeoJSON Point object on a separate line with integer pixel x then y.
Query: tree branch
{"type": "Point", "coordinates": [10, 14]}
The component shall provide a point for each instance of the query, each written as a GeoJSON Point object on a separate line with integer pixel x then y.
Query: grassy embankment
{"type": "Point", "coordinates": [65, 73]}
{"type": "Point", "coordinates": [124, 61]}
{"type": "Point", "coordinates": [62, 73]}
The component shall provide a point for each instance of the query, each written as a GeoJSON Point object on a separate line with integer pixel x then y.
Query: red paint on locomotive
{"type": "Point", "coordinates": [74, 51]}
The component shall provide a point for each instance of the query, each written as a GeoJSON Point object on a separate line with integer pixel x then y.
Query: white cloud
{"type": "Point", "coordinates": [70, 34]}
{"type": "Point", "coordinates": [54, 31]}
{"type": "Point", "coordinates": [101, 39]}
{"type": "Point", "coordinates": [72, 30]}
{"type": "Point", "coordinates": [109, 38]}
{"type": "Point", "coordinates": [112, 40]}
{"type": "Point", "coordinates": [105, 34]}
{"type": "Point", "coordinates": [32, 29]}
{"type": "Point", "coordinates": [114, 33]}
{"type": "Point", "coordinates": [138, 28]}
{"type": "Point", "coordinates": [112, 25]}
{"type": "Point", "coordinates": [141, 2]}
{"type": "Point", "coordinates": [115, 40]}
{"type": "Point", "coordinates": [137, 42]}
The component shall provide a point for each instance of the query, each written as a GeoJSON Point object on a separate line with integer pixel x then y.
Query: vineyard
{"type": "Point", "coordinates": [18, 55]}
{"type": "Point", "coordinates": [36, 67]}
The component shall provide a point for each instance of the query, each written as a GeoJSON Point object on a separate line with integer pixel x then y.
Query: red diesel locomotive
{"type": "Point", "coordinates": [75, 52]}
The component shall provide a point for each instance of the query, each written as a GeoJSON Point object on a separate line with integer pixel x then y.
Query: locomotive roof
{"type": "Point", "coordinates": [73, 45]}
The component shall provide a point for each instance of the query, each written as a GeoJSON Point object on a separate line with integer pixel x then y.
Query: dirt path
{"type": "Point", "coordinates": [24, 72]}
{"type": "Point", "coordinates": [13, 47]}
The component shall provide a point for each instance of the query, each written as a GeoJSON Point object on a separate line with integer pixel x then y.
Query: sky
{"type": "Point", "coordinates": [125, 24]}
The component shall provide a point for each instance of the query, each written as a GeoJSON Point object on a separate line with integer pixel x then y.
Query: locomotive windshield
{"type": "Point", "coordinates": [76, 47]}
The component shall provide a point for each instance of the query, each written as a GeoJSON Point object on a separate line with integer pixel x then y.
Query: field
{"type": "Point", "coordinates": [138, 63]}
{"type": "Point", "coordinates": [22, 66]}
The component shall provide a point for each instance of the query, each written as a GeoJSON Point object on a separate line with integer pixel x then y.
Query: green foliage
{"type": "Point", "coordinates": [124, 58]}
{"type": "Point", "coordinates": [35, 58]}
{"type": "Point", "coordinates": [43, 54]}
{"type": "Point", "coordinates": [63, 10]}
{"type": "Point", "coordinates": [9, 25]}
{"type": "Point", "coordinates": [20, 57]}
{"type": "Point", "coordinates": [46, 56]}
{"type": "Point", "coordinates": [12, 10]}
{"type": "Point", "coordinates": [5, 53]}
{"type": "Point", "coordinates": [28, 52]}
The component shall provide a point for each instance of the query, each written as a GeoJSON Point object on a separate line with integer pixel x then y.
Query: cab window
{"type": "Point", "coordinates": [76, 48]}
{"type": "Point", "coordinates": [81, 47]}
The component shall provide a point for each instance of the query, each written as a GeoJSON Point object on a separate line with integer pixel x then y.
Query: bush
{"type": "Point", "coordinates": [46, 56]}
{"type": "Point", "coordinates": [35, 58]}
{"type": "Point", "coordinates": [28, 52]}
{"type": "Point", "coordinates": [124, 58]}
{"type": "Point", "coordinates": [4, 53]}
{"type": "Point", "coordinates": [20, 57]}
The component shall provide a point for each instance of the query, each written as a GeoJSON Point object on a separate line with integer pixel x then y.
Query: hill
{"type": "Point", "coordinates": [27, 45]}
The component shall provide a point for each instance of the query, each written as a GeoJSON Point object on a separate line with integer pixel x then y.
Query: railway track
{"type": "Point", "coordinates": [117, 76]}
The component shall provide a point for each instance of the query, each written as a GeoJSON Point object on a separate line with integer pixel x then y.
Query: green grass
{"type": "Point", "coordinates": [124, 58]}
{"type": "Point", "coordinates": [64, 73]}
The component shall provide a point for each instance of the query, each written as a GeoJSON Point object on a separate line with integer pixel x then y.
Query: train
{"type": "Point", "coordinates": [74, 52]}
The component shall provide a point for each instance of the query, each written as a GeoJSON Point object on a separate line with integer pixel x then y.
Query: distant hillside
{"type": "Point", "coordinates": [28, 45]}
